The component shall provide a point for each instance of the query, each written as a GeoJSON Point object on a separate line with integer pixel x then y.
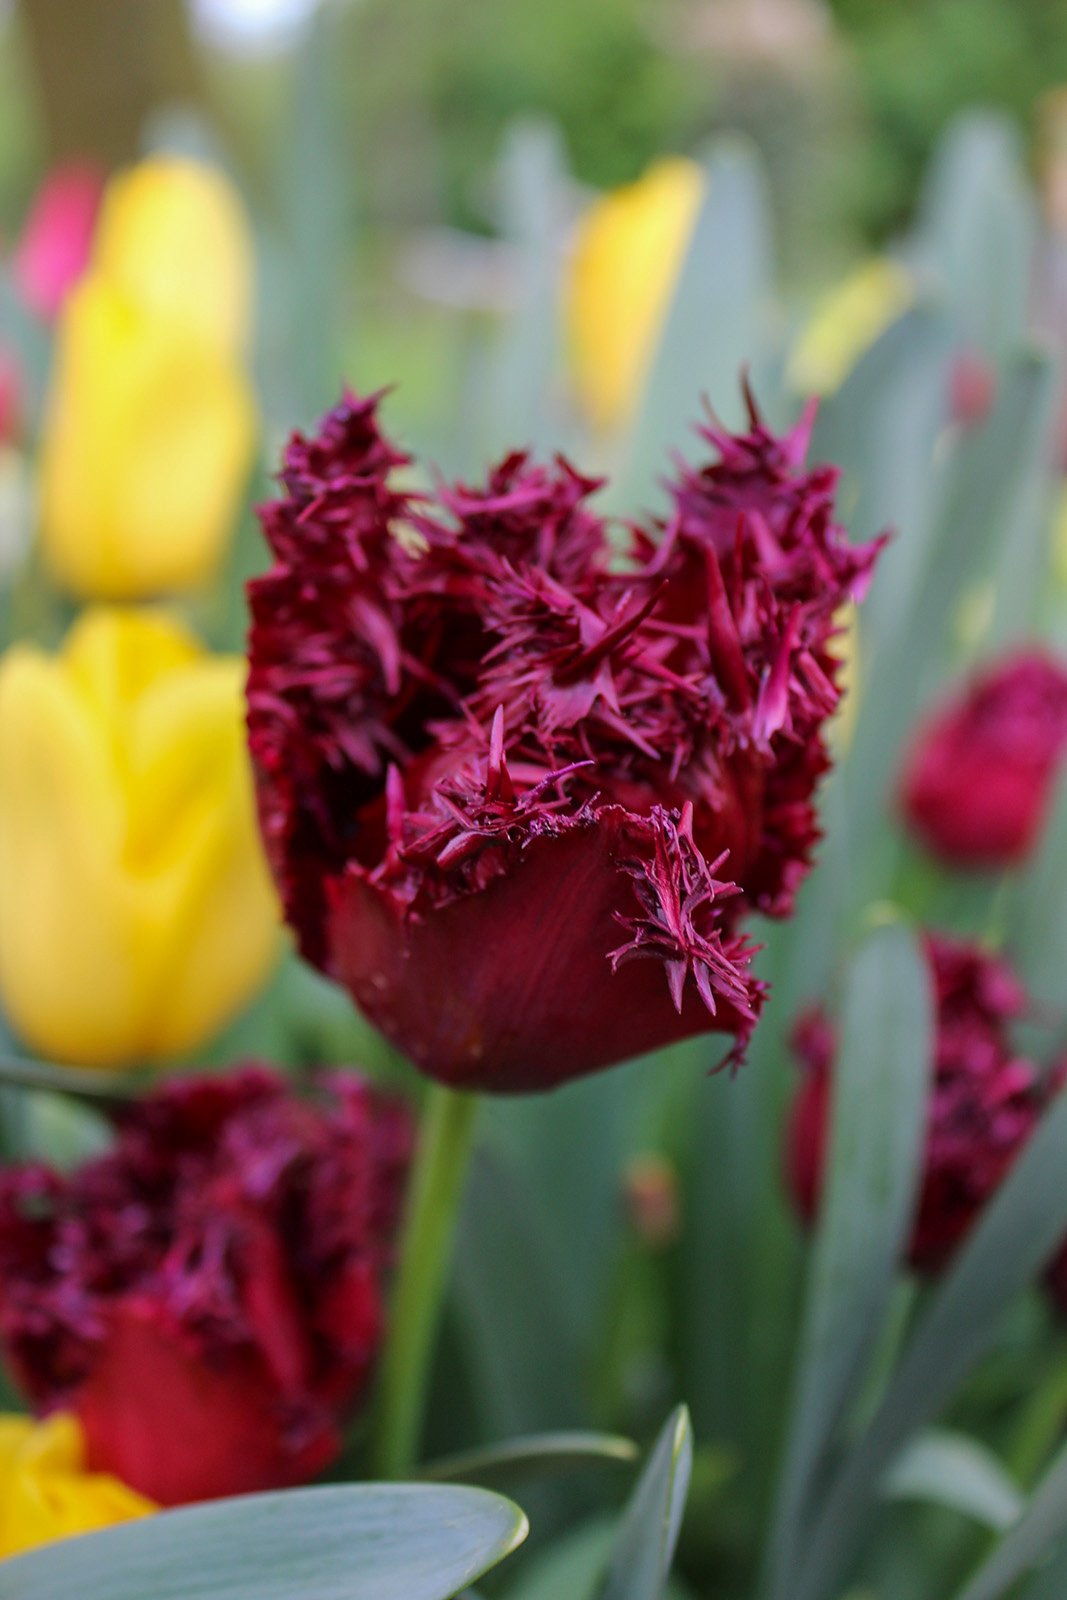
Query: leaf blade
{"type": "Point", "coordinates": [350, 1542]}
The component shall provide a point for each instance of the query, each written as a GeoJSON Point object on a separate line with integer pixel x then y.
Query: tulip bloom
{"type": "Point", "coordinates": [503, 750]}
{"type": "Point", "coordinates": [625, 264]}
{"type": "Point", "coordinates": [980, 772]}
{"type": "Point", "coordinates": [207, 1296]}
{"type": "Point", "coordinates": [984, 1103]}
{"type": "Point", "coordinates": [150, 421]}
{"type": "Point", "coordinates": [136, 910]}
{"type": "Point", "coordinates": [173, 237]}
{"type": "Point", "coordinates": [46, 1491]}
{"type": "Point", "coordinates": [53, 250]}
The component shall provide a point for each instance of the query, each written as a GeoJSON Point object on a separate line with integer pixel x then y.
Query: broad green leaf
{"type": "Point", "coordinates": [951, 1469]}
{"type": "Point", "coordinates": [1029, 1541]}
{"type": "Point", "coordinates": [881, 1079]}
{"type": "Point", "coordinates": [353, 1542]}
{"type": "Point", "coordinates": [718, 321]}
{"type": "Point", "coordinates": [571, 1567]}
{"type": "Point", "coordinates": [1015, 1237]}
{"type": "Point", "coordinates": [1050, 1583]}
{"type": "Point", "coordinates": [977, 227]}
{"type": "Point", "coordinates": [520, 369]}
{"type": "Point", "coordinates": [536, 1453]}
{"type": "Point", "coordinates": [1039, 920]}
{"type": "Point", "coordinates": [644, 1545]}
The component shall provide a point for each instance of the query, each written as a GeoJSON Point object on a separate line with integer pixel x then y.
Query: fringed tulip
{"type": "Point", "coordinates": [521, 775]}
{"type": "Point", "coordinates": [136, 909]}
{"type": "Point", "coordinates": [46, 1490]}
{"type": "Point", "coordinates": [980, 773]}
{"type": "Point", "coordinates": [207, 1296]}
{"type": "Point", "coordinates": [624, 267]}
{"type": "Point", "coordinates": [984, 1102]}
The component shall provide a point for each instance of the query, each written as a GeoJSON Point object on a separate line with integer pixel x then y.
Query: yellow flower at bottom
{"type": "Point", "coordinates": [845, 323]}
{"type": "Point", "coordinates": [146, 447]}
{"type": "Point", "coordinates": [623, 272]}
{"type": "Point", "coordinates": [136, 910]}
{"type": "Point", "coordinates": [46, 1492]}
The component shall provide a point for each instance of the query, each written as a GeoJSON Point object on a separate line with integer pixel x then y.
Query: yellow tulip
{"type": "Point", "coordinates": [136, 909]}
{"type": "Point", "coordinates": [46, 1492]}
{"type": "Point", "coordinates": [845, 323]}
{"type": "Point", "coordinates": [626, 261]}
{"type": "Point", "coordinates": [846, 648]}
{"type": "Point", "coordinates": [172, 235]}
{"type": "Point", "coordinates": [147, 444]}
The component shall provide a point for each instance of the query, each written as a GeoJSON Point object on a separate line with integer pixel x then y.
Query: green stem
{"type": "Point", "coordinates": [437, 1182]}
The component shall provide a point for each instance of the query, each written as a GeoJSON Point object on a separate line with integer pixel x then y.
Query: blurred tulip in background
{"type": "Point", "coordinates": [136, 913]}
{"type": "Point", "coordinates": [173, 235]}
{"type": "Point", "coordinates": [626, 259]}
{"type": "Point", "coordinates": [53, 249]}
{"type": "Point", "coordinates": [150, 422]}
{"type": "Point", "coordinates": [984, 1103]}
{"type": "Point", "coordinates": [981, 769]}
{"type": "Point", "coordinates": [846, 322]}
{"type": "Point", "coordinates": [46, 1491]}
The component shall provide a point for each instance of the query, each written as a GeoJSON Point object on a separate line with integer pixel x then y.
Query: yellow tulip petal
{"type": "Point", "coordinates": [845, 323]}
{"type": "Point", "coordinates": [147, 443]}
{"type": "Point", "coordinates": [625, 265]}
{"type": "Point", "coordinates": [45, 1491]}
{"type": "Point", "coordinates": [173, 236]}
{"type": "Point", "coordinates": [136, 909]}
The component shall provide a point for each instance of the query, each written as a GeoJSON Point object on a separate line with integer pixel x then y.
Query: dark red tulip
{"type": "Point", "coordinates": [207, 1296]}
{"type": "Point", "coordinates": [522, 774]}
{"type": "Point", "coordinates": [978, 778]}
{"type": "Point", "coordinates": [984, 1103]}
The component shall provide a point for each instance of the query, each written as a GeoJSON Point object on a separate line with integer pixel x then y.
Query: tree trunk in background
{"type": "Point", "coordinates": [101, 66]}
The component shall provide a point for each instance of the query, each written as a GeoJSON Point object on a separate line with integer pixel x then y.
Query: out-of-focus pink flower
{"type": "Point", "coordinates": [207, 1296]}
{"type": "Point", "coordinates": [984, 1103]}
{"type": "Point", "coordinates": [972, 388]}
{"type": "Point", "coordinates": [522, 775]}
{"type": "Point", "coordinates": [977, 780]}
{"type": "Point", "coordinates": [53, 250]}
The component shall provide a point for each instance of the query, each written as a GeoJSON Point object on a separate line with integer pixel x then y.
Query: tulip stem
{"type": "Point", "coordinates": [437, 1181]}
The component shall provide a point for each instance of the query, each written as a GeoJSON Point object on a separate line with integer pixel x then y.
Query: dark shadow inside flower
{"type": "Point", "coordinates": [489, 728]}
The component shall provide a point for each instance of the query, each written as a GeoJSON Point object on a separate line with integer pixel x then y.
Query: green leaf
{"type": "Point", "coordinates": [1039, 919]}
{"type": "Point", "coordinates": [354, 1542]}
{"type": "Point", "coordinates": [881, 1079]}
{"type": "Point", "coordinates": [1016, 1235]}
{"type": "Point", "coordinates": [1029, 1541]}
{"type": "Point", "coordinates": [953, 1470]}
{"type": "Point", "coordinates": [977, 228]}
{"type": "Point", "coordinates": [84, 1083]}
{"type": "Point", "coordinates": [718, 320]}
{"type": "Point", "coordinates": [538, 1453]}
{"type": "Point", "coordinates": [648, 1533]}
{"type": "Point", "coordinates": [514, 398]}
{"type": "Point", "coordinates": [571, 1567]}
